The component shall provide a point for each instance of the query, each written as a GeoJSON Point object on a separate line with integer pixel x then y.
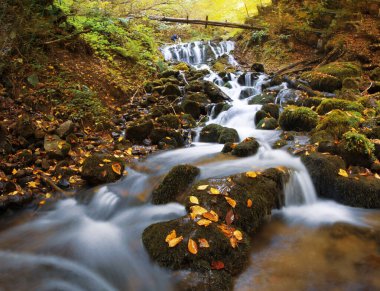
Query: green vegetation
{"type": "Point", "coordinates": [330, 104]}
{"type": "Point", "coordinates": [298, 119]}
{"type": "Point", "coordinates": [358, 143]}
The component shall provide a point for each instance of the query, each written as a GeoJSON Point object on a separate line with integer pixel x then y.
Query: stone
{"type": "Point", "coordinates": [247, 147]}
{"type": "Point", "coordinates": [56, 147]}
{"type": "Point", "coordinates": [139, 130]}
{"type": "Point", "coordinates": [65, 129]}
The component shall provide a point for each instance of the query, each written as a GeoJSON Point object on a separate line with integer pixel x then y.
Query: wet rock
{"type": "Point", "coordinates": [228, 147]}
{"type": "Point", "coordinates": [139, 130]}
{"type": "Point", "coordinates": [218, 133]}
{"type": "Point", "coordinates": [175, 182]}
{"type": "Point", "coordinates": [361, 192]}
{"type": "Point", "coordinates": [260, 115]}
{"type": "Point", "coordinates": [264, 98]}
{"type": "Point", "coordinates": [100, 169]}
{"type": "Point", "coordinates": [268, 123]}
{"type": "Point", "coordinates": [322, 82]}
{"type": "Point", "coordinates": [247, 147]}
{"type": "Point", "coordinates": [169, 120]}
{"type": "Point", "coordinates": [5, 145]}
{"type": "Point", "coordinates": [258, 67]}
{"type": "Point", "coordinates": [65, 129]}
{"type": "Point", "coordinates": [247, 92]}
{"type": "Point", "coordinates": [330, 104]}
{"type": "Point", "coordinates": [272, 109]}
{"type": "Point", "coordinates": [171, 89]}
{"type": "Point", "coordinates": [55, 147]}
{"type": "Point", "coordinates": [298, 119]}
{"type": "Point", "coordinates": [214, 93]}
{"type": "Point", "coordinates": [25, 127]}
{"type": "Point", "coordinates": [166, 136]}
{"type": "Point", "coordinates": [214, 280]}
{"type": "Point", "coordinates": [169, 73]}
{"type": "Point", "coordinates": [187, 121]}
{"type": "Point", "coordinates": [246, 79]}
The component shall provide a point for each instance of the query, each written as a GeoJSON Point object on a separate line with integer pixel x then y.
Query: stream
{"type": "Point", "coordinates": [93, 242]}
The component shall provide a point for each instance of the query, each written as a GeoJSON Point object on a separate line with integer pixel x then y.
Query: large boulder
{"type": "Point", "coordinates": [101, 169]}
{"type": "Point", "coordinates": [175, 183]}
{"type": "Point", "coordinates": [358, 191]}
{"type": "Point", "coordinates": [330, 104]}
{"type": "Point", "coordinates": [268, 123]}
{"type": "Point", "coordinates": [341, 70]}
{"type": "Point", "coordinates": [191, 107]}
{"type": "Point", "coordinates": [298, 119]}
{"type": "Point", "coordinates": [165, 136]}
{"type": "Point", "coordinates": [214, 93]}
{"type": "Point", "coordinates": [169, 120]}
{"type": "Point", "coordinates": [322, 82]}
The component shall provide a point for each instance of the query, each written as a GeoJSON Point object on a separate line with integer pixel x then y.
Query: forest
{"type": "Point", "coordinates": [189, 145]}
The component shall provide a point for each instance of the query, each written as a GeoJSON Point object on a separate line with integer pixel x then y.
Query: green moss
{"type": "Point", "coordinates": [85, 106]}
{"type": "Point", "coordinates": [169, 120]}
{"type": "Point", "coordinates": [358, 143]}
{"type": "Point", "coordinates": [272, 109]}
{"type": "Point", "coordinates": [330, 104]}
{"type": "Point", "coordinates": [263, 98]}
{"type": "Point", "coordinates": [322, 82]}
{"type": "Point", "coordinates": [187, 121]}
{"type": "Point", "coordinates": [298, 119]}
{"type": "Point", "coordinates": [341, 70]}
{"type": "Point", "coordinates": [268, 123]}
{"type": "Point", "coordinates": [181, 67]}
{"type": "Point", "coordinates": [218, 133]}
{"type": "Point", "coordinates": [174, 183]}
{"type": "Point", "coordinates": [337, 122]}
{"type": "Point", "coordinates": [191, 107]}
{"type": "Point", "coordinates": [228, 135]}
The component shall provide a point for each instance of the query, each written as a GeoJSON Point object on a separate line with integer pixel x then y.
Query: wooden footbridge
{"type": "Point", "coordinates": [206, 22]}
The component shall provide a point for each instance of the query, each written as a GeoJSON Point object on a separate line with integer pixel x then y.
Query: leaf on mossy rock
{"type": "Point", "coordinates": [202, 187]}
{"type": "Point", "coordinates": [251, 174]}
{"type": "Point", "coordinates": [230, 217]}
{"type": "Point", "coordinates": [204, 222]}
{"type": "Point", "coordinates": [192, 246]}
{"type": "Point", "coordinates": [217, 265]}
{"type": "Point", "coordinates": [194, 200]}
{"type": "Point", "coordinates": [203, 243]}
{"type": "Point", "coordinates": [171, 236]}
{"type": "Point", "coordinates": [343, 173]}
{"type": "Point", "coordinates": [116, 167]}
{"type": "Point", "coordinates": [249, 203]}
{"type": "Point", "coordinates": [175, 241]}
{"type": "Point", "coordinates": [197, 210]}
{"type": "Point", "coordinates": [214, 191]}
{"type": "Point", "coordinates": [212, 215]}
{"type": "Point", "coordinates": [233, 242]}
{"type": "Point", "coordinates": [231, 202]}
{"type": "Point", "coordinates": [238, 234]}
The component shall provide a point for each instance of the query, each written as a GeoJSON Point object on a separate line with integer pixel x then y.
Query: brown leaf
{"type": "Point", "coordinates": [230, 217]}
{"type": "Point", "coordinates": [192, 246]}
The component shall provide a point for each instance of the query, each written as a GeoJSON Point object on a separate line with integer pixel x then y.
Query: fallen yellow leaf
{"type": "Point", "coordinates": [249, 203]}
{"type": "Point", "coordinates": [202, 187]}
{"type": "Point", "coordinates": [107, 161]}
{"type": "Point", "coordinates": [204, 222]}
{"type": "Point", "coordinates": [129, 151]}
{"type": "Point", "coordinates": [231, 201]}
{"type": "Point", "coordinates": [343, 173]}
{"type": "Point", "coordinates": [14, 172]}
{"type": "Point", "coordinates": [194, 200]}
{"type": "Point", "coordinates": [175, 241]}
{"type": "Point", "coordinates": [377, 176]}
{"type": "Point", "coordinates": [192, 246]}
{"type": "Point", "coordinates": [251, 174]}
{"type": "Point", "coordinates": [233, 242]}
{"type": "Point", "coordinates": [171, 235]}
{"type": "Point", "coordinates": [197, 210]}
{"type": "Point", "coordinates": [238, 234]}
{"type": "Point", "coordinates": [214, 191]}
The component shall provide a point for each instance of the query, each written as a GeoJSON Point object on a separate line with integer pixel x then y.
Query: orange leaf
{"type": "Point", "coordinates": [116, 167]}
{"type": "Point", "coordinates": [233, 242]}
{"type": "Point", "coordinates": [238, 234]}
{"type": "Point", "coordinates": [203, 243]}
{"type": "Point", "coordinates": [171, 235]}
{"type": "Point", "coordinates": [212, 215]}
{"type": "Point", "coordinates": [175, 241]}
{"type": "Point", "coordinates": [192, 246]}
{"type": "Point", "coordinates": [231, 201]}
{"type": "Point", "coordinates": [249, 203]}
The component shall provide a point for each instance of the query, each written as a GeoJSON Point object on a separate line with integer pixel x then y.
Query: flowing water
{"type": "Point", "coordinates": [94, 242]}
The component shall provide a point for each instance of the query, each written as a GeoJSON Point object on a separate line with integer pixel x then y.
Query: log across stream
{"type": "Point", "coordinates": [94, 241]}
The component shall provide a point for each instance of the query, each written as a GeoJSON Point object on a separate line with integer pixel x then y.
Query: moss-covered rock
{"type": "Point", "coordinates": [25, 127]}
{"type": "Point", "coordinates": [357, 149]}
{"type": "Point", "coordinates": [55, 147]}
{"type": "Point", "coordinates": [264, 98]}
{"type": "Point", "coordinates": [171, 89]}
{"type": "Point", "coordinates": [321, 81]}
{"type": "Point", "coordinates": [330, 104]}
{"type": "Point", "coordinates": [166, 136]}
{"type": "Point", "coordinates": [187, 121]}
{"type": "Point", "coordinates": [191, 107]}
{"type": "Point", "coordinates": [139, 130]}
{"type": "Point", "coordinates": [375, 74]}
{"type": "Point", "coordinates": [179, 257]}
{"type": "Point", "coordinates": [260, 115]}
{"type": "Point", "coordinates": [341, 70]}
{"type": "Point", "coordinates": [298, 119]}
{"type": "Point", "coordinates": [268, 123]}
{"type": "Point", "coordinates": [337, 122]}
{"type": "Point", "coordinates": [169, 120]}
{"type": "Point", "coordinates": [175, 182]}
{"type": "Point", "coordinates": [358, 191]}
{"type": "Point", "coordinates": [272, 109]}
{"type": "Point", "coordinates": [351, 83]}
{"type": "Point", "coordinates": [181, 67]}
{"type": "Point", "coordinates": [218, 133]}
{"type": "Point", "coordinates": [101, 169]}
{"type": "Point", "coordinates": [247, 147]}
{"type": "Point", "coordinates": [214, 93]}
